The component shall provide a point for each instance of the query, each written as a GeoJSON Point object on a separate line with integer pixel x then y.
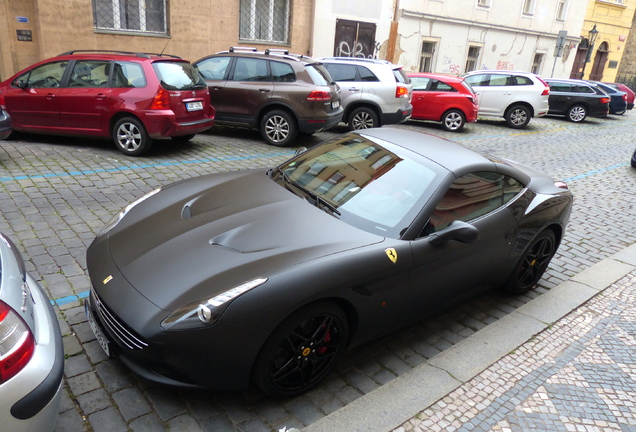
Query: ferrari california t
{"type": "Point", "coordinates": [267, 276]}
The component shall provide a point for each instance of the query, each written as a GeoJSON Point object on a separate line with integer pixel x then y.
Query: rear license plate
{"type": "Point", "coordinates": [101, 339]}
{"type": "Point", "coordinates": [335, 105]}
{"type": "Point", "coordinates": [194, 106]}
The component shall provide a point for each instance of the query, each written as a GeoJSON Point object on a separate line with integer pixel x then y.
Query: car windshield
{"type": "Point", "coordinates": [368, 183]}
{"type": "Point", "coordinates": [178, 76]}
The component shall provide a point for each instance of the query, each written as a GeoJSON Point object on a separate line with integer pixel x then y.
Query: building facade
{"type": "Point", "coordinates": [32, 30]}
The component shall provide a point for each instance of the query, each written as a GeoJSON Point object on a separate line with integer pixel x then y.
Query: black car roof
{"type": "Point", "coordinates": [448, 154]}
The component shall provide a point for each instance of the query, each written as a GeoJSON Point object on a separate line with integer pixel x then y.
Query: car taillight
{"type": "Point", "coordinates": [16, 343]}
{"type": "Point", "coordinates": [401, 91]}
{"type": "Point", "coordinates": [161, 100]}
{"type": "Point", "coordinates": [605, 100]}
{"type": "Point", "coordinates": [319, 95]}
{"type": "Point", "coordinates": [561, 185]}
{"type": "Point", "coordinates": [624, 98]}
{"type": "Point", "coordinates": [546, 90]}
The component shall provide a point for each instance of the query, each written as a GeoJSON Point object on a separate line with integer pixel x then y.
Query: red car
{"type": "Point", "coordinates": [132, 98]}
{"type": "Point", "coordinates": [624, 88]}
{"type": "Point", "coordinates": [443, 98]}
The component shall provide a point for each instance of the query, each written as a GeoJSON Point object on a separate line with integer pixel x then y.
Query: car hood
{"type": "Point", "coordinates": [203, 236]}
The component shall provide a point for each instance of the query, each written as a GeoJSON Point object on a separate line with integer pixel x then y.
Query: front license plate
{"type": "Point", "coordinates": [335, 105]}
{"type": "Point", "coordinates": [101, 339]}
{"type": "Point", "coordinates": [194, 106]}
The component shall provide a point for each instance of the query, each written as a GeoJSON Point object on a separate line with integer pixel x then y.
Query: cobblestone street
{"type": "Point", "coordinates": [57, 193]}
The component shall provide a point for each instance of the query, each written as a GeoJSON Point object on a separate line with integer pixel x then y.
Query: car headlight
{"type": "Point", "coordinates": [119, 216]}
{"type": "Point", "coordinates": [207, 312]}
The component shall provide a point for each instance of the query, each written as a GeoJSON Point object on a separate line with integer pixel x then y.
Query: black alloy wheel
{"type": "Point", "coordinates": [130, 137]}
{"type": "Point", "coordinates": [577, 113]}
{"type": "Point", "coordinates": [363, 118]}
{"type": "Point", "coordinates": [302, 350]}
{"type": "Point", "coordinates": [518, 116]}
{"type": "Point", "coordinates": [534, 262]}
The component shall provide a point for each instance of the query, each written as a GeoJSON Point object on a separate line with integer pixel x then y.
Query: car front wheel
{"type": "Point", "coordinates": [577, 113]}
{"type": "Point", "coordinates": [518, 116]}
{"type": "Point", "coordinates": [532, 264]}
{"type": "Point", "coordinates": [302, 350]}
{"type": "Point", "coordinates": [453, 120]}
{"type": "Point", "coordinates": [130, 137]}
{"type": "Point", "coordinates": [278, 128]}
{"type": "Point", "coordinates": [363, 118]}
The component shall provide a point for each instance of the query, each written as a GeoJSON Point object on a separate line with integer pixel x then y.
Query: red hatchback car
{"type": "Point", "coordinates": [443, 98]}
{"type": "Point", "coordinates": [131, 97]}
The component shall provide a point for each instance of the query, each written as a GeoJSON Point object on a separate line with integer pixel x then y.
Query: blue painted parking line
{"type": "Point", "coordinates": [140, 166]}
{"type": "Point", "coordinates": [596, 171]}
{"type": "Point", "coordinates": [70, 299]}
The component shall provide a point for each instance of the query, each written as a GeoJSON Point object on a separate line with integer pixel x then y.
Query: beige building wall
{"type": "Point", "coordinates": [196, 28]}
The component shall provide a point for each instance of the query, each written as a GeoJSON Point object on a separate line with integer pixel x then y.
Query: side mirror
{"type": "Point", "coordinates": [21, 84]}
{"type": "Point", "coordinates": [300, 150]}
{"type": "Point", "coordinates": [457, 230]}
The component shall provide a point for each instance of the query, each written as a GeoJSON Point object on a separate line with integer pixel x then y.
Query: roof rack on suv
{"type": "Point", "coordinates": [276, 51]}
{"type": "Point", "coordinates": [137, 54]}
{"type": "Point", "coordinates": [240, 48]}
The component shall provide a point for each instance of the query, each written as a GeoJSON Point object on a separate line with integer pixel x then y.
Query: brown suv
{"type": "Point", "coordinates": [278, 93]}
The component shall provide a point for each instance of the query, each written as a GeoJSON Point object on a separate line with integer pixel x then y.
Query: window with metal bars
{"type": "Point", "coordinates": [472, 58]}
{"type": "Point", "coordinates": [536, 63]}
{"type": "Point", "coordinates": [138, 16]}
{"type": "Point", "coordinates": [426, 56]}
{"type": "Point", "coordinates": [264, 21]}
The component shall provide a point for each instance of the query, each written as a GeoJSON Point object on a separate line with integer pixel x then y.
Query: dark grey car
{"type": "Point", "coordinates": [278, 93]}
{"type": "Point", "coordinates": [576, 99]}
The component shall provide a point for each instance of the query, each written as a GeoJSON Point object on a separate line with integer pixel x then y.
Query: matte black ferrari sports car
{"type": "Point", "coordinates": [267, 276]}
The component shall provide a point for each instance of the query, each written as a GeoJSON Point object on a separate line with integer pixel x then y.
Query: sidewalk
{"type": "Point", "coordinates": [566, 361]}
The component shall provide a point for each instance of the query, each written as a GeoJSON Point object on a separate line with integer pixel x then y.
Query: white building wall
{"type": "Point", "coordinates": [508, 38]}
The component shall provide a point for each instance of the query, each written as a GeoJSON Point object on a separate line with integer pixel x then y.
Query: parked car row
{"type": "Point", "coordinates": [135, 98]}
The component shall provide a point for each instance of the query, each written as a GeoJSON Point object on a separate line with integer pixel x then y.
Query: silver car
{"type": "Point", "coordinates": [373, 92]}
{"type": "Point", "coordinates": [31, 351]}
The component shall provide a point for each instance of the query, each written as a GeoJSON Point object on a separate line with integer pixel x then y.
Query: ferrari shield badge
{"type": "Point", "coordinates": [391, 253]}
{"type": "Point", "coordinates": [108, 279]}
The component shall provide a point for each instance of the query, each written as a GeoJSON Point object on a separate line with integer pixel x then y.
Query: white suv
{"type": "Point", "coordinates": [373, 92]}
{"type": "Point", "coordinates": [515, 96]}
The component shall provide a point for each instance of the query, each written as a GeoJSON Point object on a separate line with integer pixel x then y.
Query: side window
{"type": "Point", "coordinates": [282, 72]}
{"type": "Point", "coordinates": [585, 89]}
{"type": "Point", "coordinates": [511, 188]}
{"type": "Point", "coordinates": [340, 72]}
{"type": "Point", "coordinates": [500, 80]}
{"type": "Point", "coordinates": [560, 87]}
{"type": "Point", "coordinates": [46, 76]}
{"type": "Point", "coordinates": [250, 69]}
{"type": "Point", "coordinates": [367, 75]}
{"type": "Point", "coordinates": [521, 80]}
{"type": "Point", "coordinates": [128, 74]}
{"type": "Point", "coordinates": [441, 87]}
{"type": "Point", "coordinates": [90, 73]}
{"type": "Point", "coordinates": [477, 80]}
{"type": "Point", "coordinates": [420, 83]}
{"type": "Point", "coordinates": [214, 68]}
{"type": "Point", "coordinates": [469, 197]}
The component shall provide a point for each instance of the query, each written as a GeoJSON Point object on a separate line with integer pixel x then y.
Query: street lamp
{"type": "Point", "coordinates": [590, 46]}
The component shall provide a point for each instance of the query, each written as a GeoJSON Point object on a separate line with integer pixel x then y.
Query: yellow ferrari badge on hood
{"type": "Point", "coordinates": [391, 253]}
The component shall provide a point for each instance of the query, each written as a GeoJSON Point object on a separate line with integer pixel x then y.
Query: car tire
{"type": "Point", "coordinates": [363, 118]}
{"type": "Point", "coordinates": [278, 128]}
{"type": "Point", "coordinates": [183, 138]}
{"type": "Point", "coordinates": [534, 262]}
{"type": "Point", "coordinates": [518, 116]}
{"type": "Point", "coordinates": [302, 350]}
{"type": "Point", "coordinates": [621, 112]}
{"type": "Point", "coordinates": [453, 120]}
{"type": "Point", "coordinates": [130, 137]}
{"type": "Point", "coordinates": [633, 161]}
{"type": "Point", "coordinates": [577, 113]}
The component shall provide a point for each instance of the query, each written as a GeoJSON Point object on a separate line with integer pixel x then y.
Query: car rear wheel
{"type": "Point", "coordinates": [532, 264]}
{"type": "Point", "coordinates": [363, 118]}
{"type": "Point", "coordinates": [279, 128]}
{"type": "Point", "coordinates": [131, 137]}
{"type": "Point", "coordinates": [621, 112]}
{"type": "Point", "coordinates": [577, 113]}
{"type": "Point", "coordinates": [302, 350]}
{"type": "Point", "coordinates": [453, 120]}
{"type": "Point", "coordinates": [518, 116]}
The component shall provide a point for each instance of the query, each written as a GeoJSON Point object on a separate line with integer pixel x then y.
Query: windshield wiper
{"type": "Point", "coordinates": [319, 201]}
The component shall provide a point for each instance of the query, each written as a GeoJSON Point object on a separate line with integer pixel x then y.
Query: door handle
{"type": "Point", "coordinates": [263, 90]}
{"type": "Point", "coordinates": [100, 96]}
{"type": "Point", "coordinates": [50, 96]}
{"type": "Point", "coordinates": [216, 88]}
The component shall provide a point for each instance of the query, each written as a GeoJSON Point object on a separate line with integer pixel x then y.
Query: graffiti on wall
{"type": "Point", "coordinates": [449, 67]}
{"type": "Point", "coordinates": [505, 65]}
{"type": "Point", "coordinates": [359, 50]}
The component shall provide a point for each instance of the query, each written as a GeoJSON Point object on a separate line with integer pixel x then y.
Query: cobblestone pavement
{"type": "Point", "coordinates": [56, 193]}
{"type": "Point", "coordinates": [579, 375]}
